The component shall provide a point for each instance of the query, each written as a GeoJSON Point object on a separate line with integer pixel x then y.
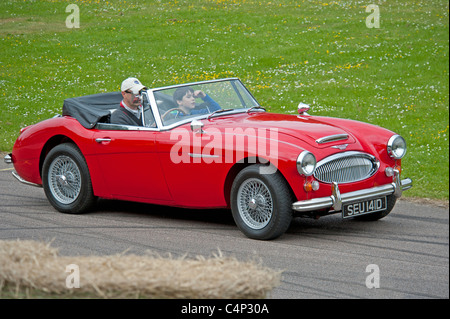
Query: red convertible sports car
{"type": "Point", "coordinates": [225, 152]}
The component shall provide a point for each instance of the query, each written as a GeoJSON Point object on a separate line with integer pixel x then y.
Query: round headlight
{"type": "Point", "coordinates": [306, 163]}
{"type": "Point", "coordinates": [396, 147]}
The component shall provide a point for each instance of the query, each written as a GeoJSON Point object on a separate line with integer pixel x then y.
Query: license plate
{"type": "Point", "coordinates": [364, 207]}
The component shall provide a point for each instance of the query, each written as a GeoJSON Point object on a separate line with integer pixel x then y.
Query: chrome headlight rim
{"type": "Point", "coordinates": [306, 163]}
{"type": "Point", "coordinates": [396, 147]}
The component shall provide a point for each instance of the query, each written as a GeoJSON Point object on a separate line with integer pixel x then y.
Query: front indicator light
{"type": "Point", "coordinates": [311, 186]}
{"type": "Point", "coordinates": [389, 171]}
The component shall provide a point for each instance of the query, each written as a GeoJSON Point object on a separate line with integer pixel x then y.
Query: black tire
{"type": "Point", "coordinates": [391, 200]}
{"type": "Point", "coordinates": [261, 203]}
{"type": "Point", "coordinates": [66, 180]}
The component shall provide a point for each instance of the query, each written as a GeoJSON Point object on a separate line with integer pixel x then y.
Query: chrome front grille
{"type": "Point", "coordinates": [346, 167]}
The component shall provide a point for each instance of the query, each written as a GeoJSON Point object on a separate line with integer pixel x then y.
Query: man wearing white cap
{"type": "Point", "coordinates": [129, 112]}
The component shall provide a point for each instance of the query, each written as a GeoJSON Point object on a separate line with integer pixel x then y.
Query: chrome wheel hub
{"type": "Point", "coordinates": [64, 179]}
{"type": "Point", "coordinates": [255, 203]}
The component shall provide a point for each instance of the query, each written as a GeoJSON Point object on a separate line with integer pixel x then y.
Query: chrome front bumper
{"type": "Point", "coordinates": [337, 200]}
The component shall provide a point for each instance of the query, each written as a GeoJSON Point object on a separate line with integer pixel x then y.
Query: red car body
{"type": "Point", "coordinates": [179, 165]}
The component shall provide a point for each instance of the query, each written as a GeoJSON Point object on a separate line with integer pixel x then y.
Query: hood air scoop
{"type": "Point", "coordinates": [332, 138]}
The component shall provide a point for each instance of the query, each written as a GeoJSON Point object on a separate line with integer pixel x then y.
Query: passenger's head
{"type": "Point", "coordinates": [184, 98]}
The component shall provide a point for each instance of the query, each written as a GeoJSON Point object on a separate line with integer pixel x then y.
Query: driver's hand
{"type": "Point", "coordinates": [199, 94]}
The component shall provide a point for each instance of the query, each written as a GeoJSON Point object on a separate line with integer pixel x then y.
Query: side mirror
{"type": "Point", "coordinates": [197, 126]}
{"type": "Point", "coordinates": [303, 108]}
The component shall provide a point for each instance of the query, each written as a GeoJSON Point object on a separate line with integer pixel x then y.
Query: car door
{"type": "Point", "coordinates": [130, 165]}
{"type": "Point", "coordinates": [194, 166]}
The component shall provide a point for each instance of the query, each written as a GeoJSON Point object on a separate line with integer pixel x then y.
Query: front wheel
{"type": "Point", "coordinates": [261, 203]}
{"type": "Point", "coordinates": [66, 180]}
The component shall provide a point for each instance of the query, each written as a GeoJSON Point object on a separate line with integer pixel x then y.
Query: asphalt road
{"type": "Point", "coordinates": [405, 255]}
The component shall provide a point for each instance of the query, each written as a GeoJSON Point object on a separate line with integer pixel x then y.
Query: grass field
{"type": "Point", "coordinates": [318, 52]}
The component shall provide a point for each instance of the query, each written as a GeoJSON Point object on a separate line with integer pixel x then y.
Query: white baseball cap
{"type": "Point", "coordinates": [132, 84]}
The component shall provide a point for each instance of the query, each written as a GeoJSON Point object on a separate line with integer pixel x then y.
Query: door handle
{"type": "Point", "coordinates": [103, 140]}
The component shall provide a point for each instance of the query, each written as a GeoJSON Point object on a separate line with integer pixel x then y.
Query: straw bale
{"type": "Point", "coordinates": [37, 266]}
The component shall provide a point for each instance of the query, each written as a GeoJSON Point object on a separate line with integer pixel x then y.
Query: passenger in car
{"type": "Point", "coordinates": [184, 98]}
{"type": "Point", "coordinates": [129, 111]}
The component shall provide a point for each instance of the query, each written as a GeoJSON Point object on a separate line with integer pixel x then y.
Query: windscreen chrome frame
{"type": "Point", "coordinates": [157, 116]}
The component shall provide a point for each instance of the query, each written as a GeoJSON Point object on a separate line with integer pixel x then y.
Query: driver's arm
{"type": "Point", "coordinates": [213, 105]}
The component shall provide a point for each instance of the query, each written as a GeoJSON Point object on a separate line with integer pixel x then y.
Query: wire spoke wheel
{"type": "Point", "coordinates": [261, 203]}
{"type": "Point", "coordinates": [255, 203]}
{"type": "Point", "coordinates": [64, 179]}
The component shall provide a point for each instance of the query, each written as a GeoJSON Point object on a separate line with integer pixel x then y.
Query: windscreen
{"type": "Point", "coordinates": [187, 101]}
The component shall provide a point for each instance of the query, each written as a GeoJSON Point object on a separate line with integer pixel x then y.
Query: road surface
{"type": "Point", "coordinates": [405, 255]}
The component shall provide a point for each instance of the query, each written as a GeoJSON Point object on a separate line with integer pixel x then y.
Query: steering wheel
{"type": "Point", "coordinates": [173, 109]}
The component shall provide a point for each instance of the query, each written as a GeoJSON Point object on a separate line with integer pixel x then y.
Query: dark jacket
{"type": "Point", "coordinates": [125, 117]}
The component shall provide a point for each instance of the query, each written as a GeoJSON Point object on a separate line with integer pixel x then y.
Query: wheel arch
{"type": "Point", "coordinates": [49, 145]}
{"type": "Point", "coordinates": [239, 166]}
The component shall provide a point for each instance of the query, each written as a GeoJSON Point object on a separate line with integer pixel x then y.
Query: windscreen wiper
{"type": "Point", "coordinates": [219, 111]}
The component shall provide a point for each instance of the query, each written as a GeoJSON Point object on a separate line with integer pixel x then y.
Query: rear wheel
{"type": "Point", "coordinates": [66, 180]}
{"type": "Point", "coordinates": [261, 203]}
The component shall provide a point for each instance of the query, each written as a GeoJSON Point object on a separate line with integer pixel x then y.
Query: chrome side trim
{"type": "Point", "coordinates": [336, 200]}
{"type": "Point", "coordinates": [20, 179]}
{"type": "Point", "coordinates": [332, 138]}
{"type": "Point", "coordinates": [196, 155]}
{"type": "Point", "coordinates": [8, 159]}
{"type": "Point", "coordinates": [122, 127]}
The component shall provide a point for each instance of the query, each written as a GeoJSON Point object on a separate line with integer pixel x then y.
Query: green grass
{"type": "Point", "coordinates": [317, 52]}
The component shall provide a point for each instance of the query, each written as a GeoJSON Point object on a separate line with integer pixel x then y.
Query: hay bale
{"type": "Point", "coordinates": [33, 265]}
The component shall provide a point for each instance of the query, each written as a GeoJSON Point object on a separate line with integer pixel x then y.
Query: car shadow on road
{"type": "Point", "coordinates": [327, 225]}
{"type": "Point", "coordinates": [216, 216]}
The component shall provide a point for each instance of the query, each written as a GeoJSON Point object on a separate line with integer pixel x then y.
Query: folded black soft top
{"type": "Point", "coordinates": [91, 109]}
